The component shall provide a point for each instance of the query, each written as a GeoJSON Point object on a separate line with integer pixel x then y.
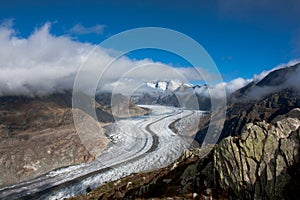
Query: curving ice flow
{"type": "Point", "coordinates": [139, 144]}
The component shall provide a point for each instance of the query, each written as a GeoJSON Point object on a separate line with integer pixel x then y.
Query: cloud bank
{"type": "Point", "coordinates": [44, 63]}
{"type": "Point", "coordinates": [215, 91]}
{"type": "Point", "coordinates": [263, 74]}
{"type": "Point", "coordinates": [289, 79]}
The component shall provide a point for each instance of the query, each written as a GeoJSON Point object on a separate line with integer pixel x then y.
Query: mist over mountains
{"type": "Point", "coordinates": [275, 81]}
{"type": "Point", "coordinates": [43, 63]}
{"type": "Point", "coordinates": [275, 94]}
{"type": "Point", "coordinates": [176, 93]}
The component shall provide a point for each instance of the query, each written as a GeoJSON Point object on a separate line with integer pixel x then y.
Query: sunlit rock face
{"type": "Point", "coordinates": [258, 163]}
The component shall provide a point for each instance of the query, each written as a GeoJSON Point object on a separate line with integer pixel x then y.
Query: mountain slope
{"type": "Point", "coordinates": [119, 106]}
{"type": "Point", "coordinates": [172, 93]}
{"type": "Point", "coordinates": [244, 107]}
{"type": "Point", "coordinates": [275, 81]}
{"type": "Point", "coordinates": [38, 135]}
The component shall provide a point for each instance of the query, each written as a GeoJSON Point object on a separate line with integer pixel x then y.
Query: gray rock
{"type": "Point", "coordinates": [255, 164]}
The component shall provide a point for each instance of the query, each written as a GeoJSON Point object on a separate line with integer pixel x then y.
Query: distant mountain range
{"type": "Point", "coordinates": [172, 93]}
{"type": "Point", "coordinates": [176, 93]}
{"type": "Point", "coordinates": [172, 85]}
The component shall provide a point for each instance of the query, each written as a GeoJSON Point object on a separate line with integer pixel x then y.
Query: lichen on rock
{"type": "Point", "coordinates": [254, 165]}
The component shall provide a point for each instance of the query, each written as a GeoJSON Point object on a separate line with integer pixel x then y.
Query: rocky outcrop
{"type": "Point", "coordinates": [266, 109]}
{"type": "Point", "coordinates": [257, 164]}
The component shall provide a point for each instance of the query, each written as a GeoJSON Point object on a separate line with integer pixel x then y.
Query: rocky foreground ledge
{"type": "Point", "coordinates": [261, 163]}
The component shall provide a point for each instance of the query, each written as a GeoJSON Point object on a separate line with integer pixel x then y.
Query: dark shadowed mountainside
{"type": "Point", "coordinates": [276, 97]}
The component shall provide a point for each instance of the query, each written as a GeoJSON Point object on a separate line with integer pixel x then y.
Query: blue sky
{"type": "Point", "coordinates": [243, 37]}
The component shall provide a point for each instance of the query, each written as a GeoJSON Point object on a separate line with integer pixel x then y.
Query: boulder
{"type": "Point", "coordinates": [256, 164]}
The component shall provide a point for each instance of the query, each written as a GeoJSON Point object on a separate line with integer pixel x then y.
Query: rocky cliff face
{"type": "Point", "coordinates": [259, 164]}
{"type": "Point", "coordinates": [243, 112]}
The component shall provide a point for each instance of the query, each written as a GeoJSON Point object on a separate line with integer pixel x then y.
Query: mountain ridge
{"type": "Point", "coordinates": [242, 108]}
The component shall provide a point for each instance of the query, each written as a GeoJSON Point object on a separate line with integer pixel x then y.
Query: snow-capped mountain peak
{"type": "Point", "coordinates": [172, 85]}
{"type": "Point", "coordinates": [151, 84]}
{"type": "Point", "coordinates": [163, 85]}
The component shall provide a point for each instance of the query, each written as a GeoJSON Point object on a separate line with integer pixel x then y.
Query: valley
{"type": "Point", "coordinates": [142, 143]}
{"type": "Point", "coordinates": [149, 100]}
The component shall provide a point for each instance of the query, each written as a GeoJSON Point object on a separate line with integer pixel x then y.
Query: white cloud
{"type": "Point", "coordinates": [238, 83]}
{"type": "Point", "coordinates": [82, 30]}
{"type": "Point", "coordinates": [263, 74]}
{"type": "Point", "coordinates": [230, 87]}
{"type": "Point", "coordinates": [44, 63]}
{"type": "Point", "coordinates": [289, 80]}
